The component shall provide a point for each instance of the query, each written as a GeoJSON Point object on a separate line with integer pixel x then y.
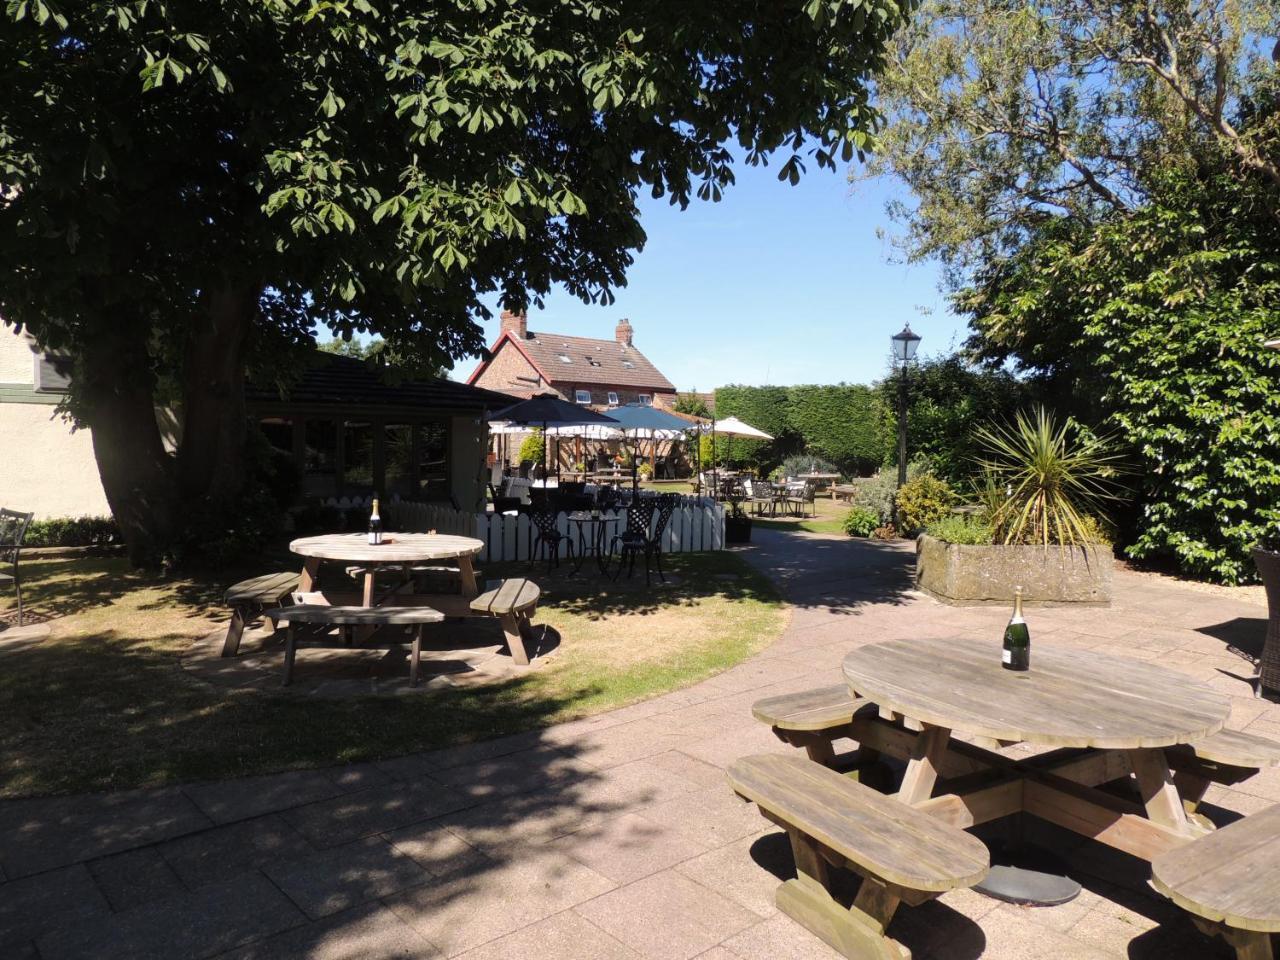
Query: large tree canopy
{"type": "Point", "coordinates": [1006, 114]}
{"type": "Point", "coordinates": [189, 188]}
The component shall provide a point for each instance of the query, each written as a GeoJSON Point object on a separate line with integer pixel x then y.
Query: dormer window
{"type": "Point", "coordinates": [645, 399]}
{"type": "Point", "coordinates": [582, 396]}
{"type": "Point", "coordinates": [613, 399]}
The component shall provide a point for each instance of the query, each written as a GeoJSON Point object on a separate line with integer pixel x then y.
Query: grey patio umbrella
{"type": "Point", "coordinates": [547, 410]}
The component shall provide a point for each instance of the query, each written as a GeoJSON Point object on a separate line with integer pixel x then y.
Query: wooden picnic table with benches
{"type": "Point", "coordinates": [1103, 720]}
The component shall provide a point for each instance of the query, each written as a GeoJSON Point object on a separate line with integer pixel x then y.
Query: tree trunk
{"type": "Point", "coordinates": [118, 391]}
{"type": "Point", "coordinates": [211, 458]}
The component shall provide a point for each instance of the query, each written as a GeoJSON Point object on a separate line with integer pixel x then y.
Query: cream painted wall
{"type": "Point", "coordinates": [17, 362]}
{"type": "Point", "coordinates": [48, 469]}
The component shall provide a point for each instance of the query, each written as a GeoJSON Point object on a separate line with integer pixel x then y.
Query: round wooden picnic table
{"type": "Point", "coordinates": [398, 549]}
{"type": "Point", "coordinates": [1069, 698]}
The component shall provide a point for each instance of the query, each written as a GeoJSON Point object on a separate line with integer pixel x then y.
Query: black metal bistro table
{"type": "Point", "coordinates": [592, 537]}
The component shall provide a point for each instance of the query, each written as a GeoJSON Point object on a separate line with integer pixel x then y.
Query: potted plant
{"type": "Point", "coordinates": [737, 524]}
{"type": "Point", "coordinates": [1042, 490]}
{"type": "Point", "coordinates": [1266, 557]}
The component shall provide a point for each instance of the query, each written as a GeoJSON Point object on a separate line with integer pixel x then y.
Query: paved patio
{"type": "Point", "coordinates": [614, 838]}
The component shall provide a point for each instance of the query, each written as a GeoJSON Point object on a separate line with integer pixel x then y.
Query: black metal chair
{"type": "Point", "coordinates": [634, 538]}
{"type": "Point", "coordinates": [546, 538]}
{"type": "Point", "coordinates": [13, 529]}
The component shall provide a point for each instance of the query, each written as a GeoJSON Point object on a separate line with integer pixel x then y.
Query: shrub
{"type": "Point", "coordinates": [533, 447]}
{"type": "Point", "coordinates": [1057, 478]}
{"type": "Point", "coordinates": [877, 493]}
{"type": "Point", "coordinates": [860, 522]}
{"type": "Point", "coordinates": [645, 471]}
{"type": "Point", "coordinates": [960, 528]}
{"type": "Point", "coordinates": [72, 532]}
{"type": "Point", "coordinates": [923, 501]}
{"type": "Point", "coordinates": [222, 532]}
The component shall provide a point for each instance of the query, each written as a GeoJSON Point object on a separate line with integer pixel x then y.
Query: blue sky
{"type": "Point", "coordinates": [775, 284]}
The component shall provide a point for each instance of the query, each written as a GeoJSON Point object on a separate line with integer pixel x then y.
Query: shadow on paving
{"type": "Point", "coordinates": [458, 845]}
{"type": "Point", "coordinates": [837, 574]}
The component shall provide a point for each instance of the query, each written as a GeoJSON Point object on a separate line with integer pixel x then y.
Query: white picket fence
{"type": "Point", "coordinates": [693, 527]}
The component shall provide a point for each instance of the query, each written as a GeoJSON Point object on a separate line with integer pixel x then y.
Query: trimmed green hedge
{"type": "Point", "coordinates": [72, 532]}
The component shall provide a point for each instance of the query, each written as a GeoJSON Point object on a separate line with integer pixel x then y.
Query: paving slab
{"type": "Point", "coordinates": [135, 877]}
{"type": "Point", "coordinates": [487, 902]}
{"type": "Point", "coordinates": [365, 933]}
{"type": "Point", "coordinates": [565, 936]}
{"type": "Point", "coordinates": [226, 801]}
{"type": "Point", "coordinates": [340, 878]}
{"type": "Point", "coordinates": [351, 816]}
{"type": "Point", "coordinates": [45, 833]}
{"type": "Point", "coordinates": [667, 916]}
{"type": "Point", "coordinates": [628, 847]}
{"type": "Point", "coordinates": [227, 851]}
{"type": "Point", "coordinates": [196, 925]}
{"type": "Point", "coordinates": [32, 906]}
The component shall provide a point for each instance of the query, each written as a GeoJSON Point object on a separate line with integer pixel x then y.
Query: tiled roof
{"type": "Point", "coordinates": [345, 381]}
{"type": "Point", "coordinates": [586, 360]}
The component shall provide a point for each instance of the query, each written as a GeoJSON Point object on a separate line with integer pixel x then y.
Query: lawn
{"type": "Point", "coordinates": [104, 704]}
{"type": "Point", "coordinates": [825, 517]}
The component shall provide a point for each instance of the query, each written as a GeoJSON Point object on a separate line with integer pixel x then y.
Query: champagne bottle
{"type": "Point", "coordinates": [1017, 639]}
{"type": "Point", "coordinates": [375, 524]}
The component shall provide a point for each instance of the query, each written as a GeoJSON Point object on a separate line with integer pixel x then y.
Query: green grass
{"type": "Point", "coordinates": [104, 704]}
{"type": "Point", "coordinates": [829, 516]}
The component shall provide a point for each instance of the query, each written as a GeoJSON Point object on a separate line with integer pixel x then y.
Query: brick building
{"type": "Point", "coordinates": [602, 373]}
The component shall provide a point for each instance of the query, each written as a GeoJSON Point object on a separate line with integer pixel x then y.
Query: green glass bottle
{"type": "Point", "coordinates": [1017, 638]}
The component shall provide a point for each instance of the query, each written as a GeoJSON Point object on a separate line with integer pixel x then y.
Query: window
{"type": "Point", "coordinates": [565, 358]}
{"type": "Point", "coordinates": [645, 399]}
{"type": "Point", "coordinates": [582, 396]}
{"type": "Point", "coordinates": [613, 398]}
{"type": "Point", "coordinates": [593, 361]}
{"type": "Point", "coordinates": [357, 458]}
{"type": "Point", "coordinates": [432, 442]}
{"type": "Point", "coordinates": [628, 363]}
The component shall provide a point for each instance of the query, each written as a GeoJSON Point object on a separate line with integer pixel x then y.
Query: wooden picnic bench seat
{"type": "Point", "coordinates": [248, 598]}
{"type": "Point", "coordinates": [902, 854]}
{"type": "Point", "coordinates": [1229, 881]}
{"type": "Point", "coordinates": [512, 602]}
{"type": "Point", "coordinates": [1227, 757]}
{"type": "Point", "coordinates": [317, 614]}
{"type": "Point", "coordinates": [811, 719]}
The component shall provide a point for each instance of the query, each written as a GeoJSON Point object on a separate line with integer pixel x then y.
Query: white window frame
{"type": "Point", "coordinates": [613, 398]}
{"type": "Point", "coordinates": [645, 399]}
{"type": "Point", "coordinates": [579, 394]}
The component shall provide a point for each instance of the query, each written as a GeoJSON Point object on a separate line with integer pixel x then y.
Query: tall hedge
{"type": "Point", "coordinates": [838, 422]}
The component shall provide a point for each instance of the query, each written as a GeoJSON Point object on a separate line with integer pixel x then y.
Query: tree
{"type": "Point", "coordinates": [1170, 305]}
{"type": "Point", "coordinates": [190, 188]}
{"type": "Point", "coordinates": [692, 404]}
{"type": "Point", "coordinates": [377, 351]}
{"type": "Point", "coordinates": [1004, 115]}
{"type": "Point", "coordinates": [948, 398]}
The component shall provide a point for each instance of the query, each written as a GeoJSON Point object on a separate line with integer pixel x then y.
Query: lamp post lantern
{"type": "Point", "coordinates": [904, 350]}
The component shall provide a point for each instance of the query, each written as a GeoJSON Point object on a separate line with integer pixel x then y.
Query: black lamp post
{"type": "Point", "coordinates": [904, 350]}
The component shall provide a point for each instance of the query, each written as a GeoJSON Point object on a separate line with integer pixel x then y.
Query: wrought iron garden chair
{"type": "Point", "coordinates": [634, 538]}
{"type": "Point", "coordinates": [13, 529]}
{"type": "Point", "coordinates": [546, 538]}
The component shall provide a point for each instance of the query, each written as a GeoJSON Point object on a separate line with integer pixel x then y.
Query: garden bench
{"type": "Point", "coordinates": [811, 719]}
{"type": "Point", "coordinates": [902, 854]}
{"type": "Point", "coordinates": [322, 615]}
{"type": "Point", "coordinates": [1226, 757]}
{"type": "Point", "coordinates": [248, 598]}
{"type": "Point", "coordinates": [512, 602]}
{"type": "Point", "coordinates": [1229, 881]}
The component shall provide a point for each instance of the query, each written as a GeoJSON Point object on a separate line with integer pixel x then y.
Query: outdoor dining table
{"type": "Point", "coordinates": [1096, 717]}
{"type": "Point", "coordinates": [396, 550]}
{"type": "Point", "coordinates": [594, 542]}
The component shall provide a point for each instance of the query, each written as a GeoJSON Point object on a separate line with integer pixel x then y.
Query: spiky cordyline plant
{"type": "Point", "coordinates": [1056, 479]}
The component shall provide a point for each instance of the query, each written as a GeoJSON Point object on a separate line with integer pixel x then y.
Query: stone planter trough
{"type": "Point", "coordinates": [965, 574]}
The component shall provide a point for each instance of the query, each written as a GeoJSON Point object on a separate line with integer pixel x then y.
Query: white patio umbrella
{"type": "Point", "coordinates": [731, 427]}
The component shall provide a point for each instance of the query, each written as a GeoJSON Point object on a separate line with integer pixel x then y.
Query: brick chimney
{"type": "Point", "coordinates": [624, 331]}
{"type": "Point", "coordinates": [517, 324]}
